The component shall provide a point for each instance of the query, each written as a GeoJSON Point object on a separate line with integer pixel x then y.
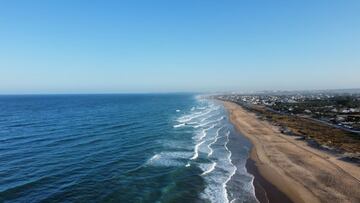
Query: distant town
{"type": "Point", "coordinates": [337, 108]}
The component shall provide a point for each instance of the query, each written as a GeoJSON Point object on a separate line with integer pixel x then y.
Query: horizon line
{"type": "Point", "coordinates": [177, 92]}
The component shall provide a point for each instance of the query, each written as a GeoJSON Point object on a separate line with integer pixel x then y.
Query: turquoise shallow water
{"type": "Point", "coordinates": [120, 148]}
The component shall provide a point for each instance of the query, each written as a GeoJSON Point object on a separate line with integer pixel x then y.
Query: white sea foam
{"type": "Point", "coordinates": [232, 172]}
{"type": "Point", "coordinates": [210, 122]}
{"type": "Point", "coordinates": [204, 132]}
{"type": "Point", "coordinates": [214, 141]}
{"type": "Point", "coordinates": [192, 123]}
{"type": "Point", "coordinates": [211, 168]}
{"type": "Point", "coordinates": [156, 156]}
{"type": "Point", "coordinates": [212, 115]}
{"type": "Point", "coordinates": [250, 188]}
{"type": "Point", "coordinates": [204, 119]}
{"type": "Point", "coordinates": [195, 115]}
{"type": "Point", "coordinates": [196, 150]}
{"type": "Point", "coordinates": [179, 125]}
{"type": "Point", "coordinates": [168, 158]}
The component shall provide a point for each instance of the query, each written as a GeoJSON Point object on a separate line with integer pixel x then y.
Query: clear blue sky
{"type": "Point", "coordinates": [73, 46]}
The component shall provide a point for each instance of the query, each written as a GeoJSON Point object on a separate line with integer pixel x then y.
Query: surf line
{"type": "Point", "coordinates": [190, 117]}
{"type": "Point", "coordinates": [214, 121]}
{"type": "Point", "coordinates": [204, 131]}
{"type": "Point", "coordinates": [212, 167]}
{"type": "Point", "coordinates": [179, 125]}
{"type": "Point", "coordinates": [233, 171]}
{"type": "Point", "coordinates": [213, 142]}
{"type": "Point", "coordinates": [196, 150]}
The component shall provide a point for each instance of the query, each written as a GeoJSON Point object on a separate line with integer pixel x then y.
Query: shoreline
{"type": "Point", "coordinates": [265, 192]}
{"type": "Point", "coordinates": [298, 172]}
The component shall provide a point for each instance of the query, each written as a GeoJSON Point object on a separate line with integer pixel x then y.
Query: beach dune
{"type": "Point", "coordinates": [303, 173]}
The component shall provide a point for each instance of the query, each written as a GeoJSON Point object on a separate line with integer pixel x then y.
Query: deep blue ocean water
{"type": "Point", "coordinates": [120, 148]}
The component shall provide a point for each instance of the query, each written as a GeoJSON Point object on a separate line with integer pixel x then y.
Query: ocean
{"type": "Point", "coordinates": [121, 148]}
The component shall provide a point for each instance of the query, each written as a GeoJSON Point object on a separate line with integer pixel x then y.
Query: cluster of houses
{"type": "Point", "coordinates": [321, 106]}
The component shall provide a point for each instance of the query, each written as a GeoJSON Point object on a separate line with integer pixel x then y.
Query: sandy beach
{"type": "Point", "coordinates": [303, 173]}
